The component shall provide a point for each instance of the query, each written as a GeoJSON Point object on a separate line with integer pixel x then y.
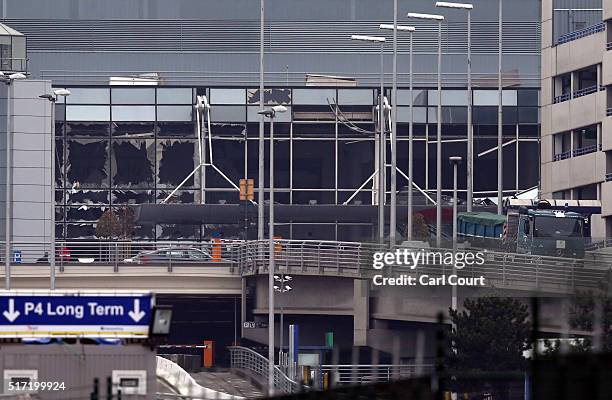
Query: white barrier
{"type": "Point", "coordinates": [185, 385]}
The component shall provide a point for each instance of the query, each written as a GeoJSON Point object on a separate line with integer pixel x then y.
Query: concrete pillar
{"type": "Point", "coordinates": [361, 312]}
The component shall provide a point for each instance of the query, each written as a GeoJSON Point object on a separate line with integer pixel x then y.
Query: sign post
{"type": "Point", "coordinates": [75, 314]}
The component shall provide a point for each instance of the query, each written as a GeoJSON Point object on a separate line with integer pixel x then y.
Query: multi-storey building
{"type": "Point", "coordinates": [576, 123]}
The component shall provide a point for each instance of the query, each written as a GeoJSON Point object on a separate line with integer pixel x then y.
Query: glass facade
{"type": "Point", "coordinates": [132, 145]}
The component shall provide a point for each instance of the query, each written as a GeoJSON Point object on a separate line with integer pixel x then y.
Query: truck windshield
{"type": "Point", "coordinates": [557, 227]}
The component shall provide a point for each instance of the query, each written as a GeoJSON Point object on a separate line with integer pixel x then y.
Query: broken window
{"type": "Point", "coordinates": [133, 196]}
{"type": "Point", "coordinates": [228, 157]}
{"type": "Point", "coordinates": [84, 213]}
{"type": "Point", "coordinates": [87, 196]}
{"type": "Point", "coordinates": [132, 163]}
{"type": "Point", "coordinates": [97, 129]}
{"type": "Point", "coordinates": [181, 129]}
{"type": "Point", "coordinates": [59, 163]}
{"type": "Point", "coordinates": [228, 130]}
{"type": "Point", "coordinates": [87, 163]}
{"type": "Point", "coordinates": [271, 96]}
{"type": "Point", "coordinates": [314, 164]}
{"type": "Point", "coordinates": [176, 160]}
{"type": "Point", "coordinates": [180, 196]}
{"type": "Point", "coordinates": [133, 129]}
{"type": "Point", "coordinates": [179, 231]}
{"type": "Point", "coordinates": [81, 231]}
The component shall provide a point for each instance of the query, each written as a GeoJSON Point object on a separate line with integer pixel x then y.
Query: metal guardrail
{"type": "Point", "coordinates": [180, 380]}
{"type": "Point", "coordinates": [124, 253]}
{"type": "Point", "coordinates": [361, 374]}
{"type": "Point", "coordinates": [562, 156]}
{"type": "Point", "coordinates": [248, 359]}
{"type": "Point", "coordinates": [587, 150]}
{"type": "Point", "coordinates": [590, 30]}
{"type": "Point", "coordinates": [520, 271]}
{"type": "Point", "coordinates": [587, 90]}
{"type": "Point", "coordinates": [562, 98]}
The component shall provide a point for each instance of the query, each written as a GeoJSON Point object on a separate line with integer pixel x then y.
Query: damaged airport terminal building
{"type": "Point", "coordinates": [159, 90]}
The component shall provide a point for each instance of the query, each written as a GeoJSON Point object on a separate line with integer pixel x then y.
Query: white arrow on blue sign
{"type": "Point", "coordinates": [75, 315]}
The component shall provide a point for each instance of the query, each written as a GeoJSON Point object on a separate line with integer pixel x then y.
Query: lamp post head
{"type": "Point", "coordinates": [446, 4]}
{"type": "Point", "coordinates": [432, 17]}
{"type": "Point", "coordinates": [404, 28]}
{"type": "Point", "coordinates": [62, 92]}
{"type": "Point", "coordinates": [271, 112]}
{"type": "Point", "coordinates": [372, 39]}
{"type": "Point", "coordinates": [455, 160]}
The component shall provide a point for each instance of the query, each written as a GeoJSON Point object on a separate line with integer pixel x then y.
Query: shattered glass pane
{"type": "Point", "coordinates": [228, 157]}
{"type": "Point", "coordinates": [87, 196]}
{"type": "Point", "coordinates": [228, 130]}
{"type": "Point", "coordinates": [173, 232]}
{"type": "Point", "coordinates": [59, 163]}
{"type": "Point", "coordinates": [182, 129]}
{"type": "Point", "coordinates": [132, 163]}
{"type": "Point", "coordinates": [83, 213]}
{"type": "Point", "coordinates": [87, 163]}
{"type": "Point", "coordinates": [271, 96]}
{"type": "Point", "coordinates": [181, 196]}
{"type": "Point", "coordinates": [133, 196]}
{"type": "Point", "coordinates": [176, 160]}
{"type": "Point", "coordinates": [59, 214]}
{"type": "Point", "coordinates": [81, 231]}
{"type": "Point", "coordinates": [87, 129]}
{"type": "Point", "coordinates": [133, 129]}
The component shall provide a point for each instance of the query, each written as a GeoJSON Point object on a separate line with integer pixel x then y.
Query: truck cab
{"type": "Point", "coordinates": [551, 232]}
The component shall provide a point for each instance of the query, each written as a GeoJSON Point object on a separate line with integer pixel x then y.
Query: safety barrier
{"type": "Point", "coordinates": [243, 358]}
{"type": "Point", "coordinates": [500, 269]}
{"type": "Point", "coordinates": [180, 380]}
{"type": "Point", "coordinates": [347, 374]}
{"type": "Point", "coordinates": [590, 30]}
{"type": "Point", "coordinates": [125, 253]}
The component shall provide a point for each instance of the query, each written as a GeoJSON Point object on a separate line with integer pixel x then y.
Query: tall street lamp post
{"type": "Point", "coordinates": [382, 140]}
{"type": "Point", "coordinates": [439, 19]}
{"type": "Point", "coordinates": [8, 207]}
{"type": "Point", "coordinates": [455, 161]}
{"type": "Point", "coordinates": [260, 186]}
{"type": "Point", "coordinates": [53, 99]}
{"type": "Point", "coordinates": [500, 150]}
{"type": "Point", "coordinates": [271, 113]}
{"type": "Point", "coordinates": [470, 130]}
{"type": "Point", "coordinates": [409, 29]}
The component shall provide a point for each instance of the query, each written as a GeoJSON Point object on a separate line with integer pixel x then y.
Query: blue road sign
{"type": "Point", "coordinates": [17, 256]}
{"type": "Point", "coordinates": [74, 315]}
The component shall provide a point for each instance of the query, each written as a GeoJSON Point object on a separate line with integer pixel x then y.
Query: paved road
{"type": "Point", "coordinates": [228, 382]}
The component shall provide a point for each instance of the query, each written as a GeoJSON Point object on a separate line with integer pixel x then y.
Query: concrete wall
{"type": "Point", "coordinates": [78, 365]}
{"type": "Point", "coordinates": [30, 127]}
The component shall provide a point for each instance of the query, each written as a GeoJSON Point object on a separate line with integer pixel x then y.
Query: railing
{"type": "Point", "coordinates": [563, 156]}
{"type": "Point", "coordinates": [609, 177]}
{"type": "Point", "coordinates": [562, 98]}
{"type": "Point", "coordinates": [520, 271]}
{"type": "Point", "coordinates": [308, 256]}
{"type": "Point", "coordinates": [591, 30]}
{"type": "Point", "coordinates": [587, 149]}
{"type": "Point", "coordinates": [361, 374]}
{"type": "Point", "coordinates": [180, 380]}
{"type": "Point", "coordinates": [587, 90]}
{"type": "Point", "coordinates": [125, 253]}
{"type": "Point", "coordinates": [246, 359]}
{"type": "Point", "coordinates": [608, 112]}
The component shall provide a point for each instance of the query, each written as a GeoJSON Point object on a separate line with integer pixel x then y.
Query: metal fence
{"type": "Point", "coordinates": [124, 253]}
{"type": "Point", "coordinates": [243, 358]}
{"type": "Point", "coordinates": [500, 269]}
{"type": "Point", "coordinates": [359, 374]}
{"type": "Point", "coordinates": [590, 30]}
